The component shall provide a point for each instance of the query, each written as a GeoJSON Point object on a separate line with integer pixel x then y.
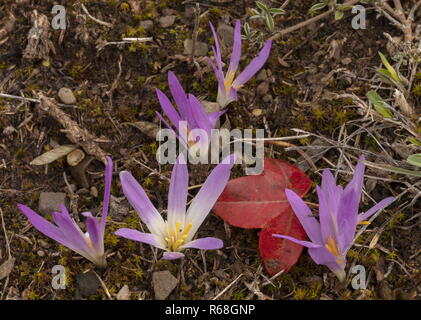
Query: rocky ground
{"type": "Point", "coordinates": [315, 80]}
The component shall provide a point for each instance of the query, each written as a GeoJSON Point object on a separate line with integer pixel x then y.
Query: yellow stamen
{"type": "Point", "coordinates": [332, 247]}
{"type": "Point", "coordinates": [228, 81]}
{"type": "Point", "coordinates": [89, 242]}
{"type": "Point", "coordinates": [190, 142]}
{"type": "Point", "coordinates": [364, 222]}
{"type": "Point", "coordinates": [177, 236]}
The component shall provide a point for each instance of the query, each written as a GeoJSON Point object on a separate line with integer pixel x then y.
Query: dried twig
{"type": "Point", "coordinates": [74, 132]}
{"type": "Point", "coordinates": [5, 234]}
{"type": "Point", "coordinates": [109, 25]}
{"type": "Point", "coordinates": [227, 287]}
{"type": "Point", "coordinates": [195, 32]}
{"type": "Point", "coordinates": [310, 21]}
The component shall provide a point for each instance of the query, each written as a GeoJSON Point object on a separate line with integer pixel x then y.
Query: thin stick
{"type": "Point", "coordinates": [9, 96]}
{"type": "Point", "coordinates": [310, 21]}
{"type": "Point", "coordinates": [5, 234]}
{"type": "Point", "coordinates": [104, 286]}
{"type": "Point", "coordinates": [195, 32]}
{"type": "Point", "coordinates": [227, 287]}
{"type": "Point", "coordinates": [109, 25]}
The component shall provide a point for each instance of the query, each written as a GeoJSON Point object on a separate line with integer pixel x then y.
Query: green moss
{"type": "Point", "coordinates": [111, 240]}
{"type": "Point", "coordinates": [238, 295]}
{"type": "Point", "coordinates": [396, 220]}
{"type": "Point", "coordinates": [75, 71]}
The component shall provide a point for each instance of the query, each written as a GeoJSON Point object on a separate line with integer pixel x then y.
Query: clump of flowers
{"type": "Point", "coordinates": [191, 115]}
{"type": "Point", "coordinates": [177, 232]}
{"type": "Point", "coordinates": [66, 231]}
{"type": "Point", "coordinates": [333, 235]}
{"type": "Point", "coordinates": [228, 84]}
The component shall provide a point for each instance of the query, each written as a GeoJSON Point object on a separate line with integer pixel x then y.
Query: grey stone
{"type": "Point", "coordinates": [262, 88]}
{"type": "Point", "coordinates": [166, 21]}
{"type": "Point", "coordinates": [201, 48]}
{"type": "Point", "coordinates": [66, 96]}
{"type": "Point", "coordinates": [262, 75]}
{"type": "Point", "coordinates": [124, 293]}
{"type": "Point", "coordinates": [226, 33]}
{"type": "Point", "coordinates": [51, 201]}
{"type": "Point", "coordinates": [146, 24]}
{"type": "Point", "coordinates": [87, 284]}
{"type": "Point", "coordinates": [163, 284]}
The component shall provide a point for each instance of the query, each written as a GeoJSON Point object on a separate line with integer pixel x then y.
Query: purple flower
{"type": "Point", "coordinates": [191, 114]}
{"type": "Point", "coordinates": [176, 233]}
{"type": "Point", "coordinates": [66, 232]}
{"type": "Point", "coordinates": [333, 235]}
{"type": "Point", "coordinates": [228, 84]}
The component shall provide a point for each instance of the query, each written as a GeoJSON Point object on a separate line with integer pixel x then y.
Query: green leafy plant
{"type": "Point", "coordinates": [415, 159]}
{"type": "Point", "coordinates": [389, 72]}
{"type": "Point", "coordinates": [248, 33]}
{"type": "Point", "coordinates": [379, 104]}
{"type": "Point", "coordinates": [267, 14]}
{"type": "Point", "coordinates": [338, 7]}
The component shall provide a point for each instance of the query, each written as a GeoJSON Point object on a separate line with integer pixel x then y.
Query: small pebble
{"type": "Point", "coordinates": [201, 48]}
{"type": "Point", "coordinates": [226, 33]}
{"type": "Point", "coordinates": [124, 293]}
{"type": "Point", "coordinates": [262, 75]}
{"type": "Point", "coordinates": [66, 96]}
{"type": "Point", "coordinates": [40, 253]}
{"type": "Point", "coordinates": [87, 284]}
{"type": "Point", "coordinates": [167, 21]}
{"type": "Point", "coordinates": [262, 88]}
{"type": "Point", "coordinates": [163, 283]}
{"type": "Point", "coordinates": [257, 112]}
{"type": "Point", "coordinates": [51, 201]}
{"type": "Point", "coordinates": [146, 24]}
{"type": "Point", "coordinates": [94, 192]}
{"type": "Point", "coordinates": [43, 244]}
{"type": "Point", "coordinates": [346, 61]}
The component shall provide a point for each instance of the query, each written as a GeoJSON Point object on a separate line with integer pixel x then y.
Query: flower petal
{"type": "Point", "coordinates": [236, 49]}
{"type": "Point", "coordinates": [357, 181]}
{"type": "Point", "coordinates": [208, 194]}
{"type": "Point", "coordinates": [381, 205]}
{"type": "Point", "coordinates": [177, 195]}
{"type": "Point", "coordinates": [94, 231]}
{"type": "Point", "coordinates": [219, 78]}
{"type": "Point", "coordinates": [141, 203]}
{"type": "Point", "coordinates": [255, 65]}
{"type": "Point", "coordinates": [71, 230]}
{"type": "Point", "coordinates": [135, 235]}
{"type": "Point", "coordinates": [307, 244]}
{"type": "Point", "coordinates": [168, 108]}
{"type": "Point", "coordinates": [214, 116]}
{"type": "Point", "coordinates": [216, 49]}
{"type": "Point", "coordinates": [199, 114]}
{"type": "Point", "coordinates": [304, 214]}
{"type": "Point", "coordinates": [347, 219]}
{"type": "Point", "coordinates": [328, 208]}
{"type": "Point", "coordinates": [172, 255]}
{"type": "Point", "coordinates": [179, 95]}
{"type": "Point", "coordinates": [324, 257]}
{"type": "Point", "coordinates": [208, 243]}
{"type": "Point", "coordinates": [43, 225]}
